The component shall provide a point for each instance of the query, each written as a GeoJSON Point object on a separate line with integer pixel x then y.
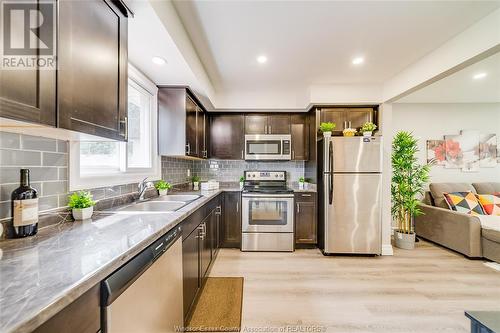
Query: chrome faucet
{"type": "Point", "coordinates": [143, 186]}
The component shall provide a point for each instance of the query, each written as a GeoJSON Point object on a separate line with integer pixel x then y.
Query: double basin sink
{"type": "Point", "coordinates": [164, 204]}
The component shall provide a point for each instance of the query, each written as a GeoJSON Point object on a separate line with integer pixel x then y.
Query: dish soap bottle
{"type": "Point", "coordinates": [25, 207]}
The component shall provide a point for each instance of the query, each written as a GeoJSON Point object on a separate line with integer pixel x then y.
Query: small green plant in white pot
{"type": "Point", "coordinates": [82, 205]}
{"type": "Point", "coordinates": [196, 182]}
{"type": "Point", "coordinates": [163, 187]}
{"type": "Point", "coordinates": [242, 182]}
{"type": "Point", "coordinates": [368, 128]}
{"type": "Point", "coordinates": [408, 180]}
{"type": "Point", "coordinates": [302, 182]}
{"type": "Point", "coordinates": [327, 128]}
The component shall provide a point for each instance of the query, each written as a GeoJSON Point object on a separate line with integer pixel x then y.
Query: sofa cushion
{"type": "Point", "coordinates": [492, 235]}
{"type": "Point", "coordinates": [487, 188]}
{"type": "Point", "coordinates": [490, 203]}
{"type": "Point", "coordinates": [464, 202]}
{"type": "Point", "coordinates": [490, 227]}
{"type": "Point", "coordinates": [437, 190]}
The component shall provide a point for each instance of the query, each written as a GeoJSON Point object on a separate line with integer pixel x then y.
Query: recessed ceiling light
{"type": "Point", "coordinates": [358, 60]}
{"type": "Point", "coordinates": [159, 61]}
{"type": "Point", "coordinates": [479, 76]}
{"type": "Point", "coordinates": [262, 59]}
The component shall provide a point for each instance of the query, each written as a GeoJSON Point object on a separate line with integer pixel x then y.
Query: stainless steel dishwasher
{"type": "Point", "coordinates": [145, 295]}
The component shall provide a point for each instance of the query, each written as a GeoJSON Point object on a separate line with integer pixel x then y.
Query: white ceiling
{"type": "Point", "coordinates": [313, 42]}
{"type": "Point", "coordinates": [461, 87]}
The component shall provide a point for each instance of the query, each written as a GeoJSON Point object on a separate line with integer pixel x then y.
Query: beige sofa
{"type": "Point", "coordinates": [457, 231]}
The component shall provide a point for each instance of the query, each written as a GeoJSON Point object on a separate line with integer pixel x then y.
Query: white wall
{"type": "Point", "coordinates": [432, 121]}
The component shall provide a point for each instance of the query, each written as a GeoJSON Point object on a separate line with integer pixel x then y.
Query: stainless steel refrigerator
{"type": "Point", "coordinates": [350, 192]}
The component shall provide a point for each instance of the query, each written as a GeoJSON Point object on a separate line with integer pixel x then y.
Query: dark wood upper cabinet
{"type": "Point", "coordinates": [29, 94]}
{"type": "Point", "coordinates": [267, 124]}
{"type": "Point", "coordinates": [177, 106]}
{"type": "Point", "coordinates": [92, 74]}
{"type": "Point", "coordinates": [231, 223]}
{"type": "Point", "coordinates": [227, 139]}
{"type": "Point", "coordinates": [300, 136]}
{"type": "Point", "coordinates": [305, 218]}
{"type": "Point", "coordinates": [356, 117]}
{"type": "Point", "coordinates": [278, 124]}
{"type": "Point", "coordinates": [334, 115]}
{"type": "Point", "coordinates": [191, 127]}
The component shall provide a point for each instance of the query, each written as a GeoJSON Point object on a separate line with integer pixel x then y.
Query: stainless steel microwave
{"type": "Point", "coordinates": [268, 147]}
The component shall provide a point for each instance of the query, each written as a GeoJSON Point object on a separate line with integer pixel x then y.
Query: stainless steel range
{"type": "Point", "coordinates": [267, 212]}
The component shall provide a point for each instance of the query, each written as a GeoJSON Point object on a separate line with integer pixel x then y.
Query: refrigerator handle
{"type": "Point", "coordinates": [330, 185]}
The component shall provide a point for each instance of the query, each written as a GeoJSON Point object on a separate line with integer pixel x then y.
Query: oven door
{"type": "Point", "coordinates": [267, 213]}
{"type": "Point", "coordinates": [267, 147]}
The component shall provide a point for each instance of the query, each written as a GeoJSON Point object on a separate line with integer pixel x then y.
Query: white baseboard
{"type": "Point", "coordinates": [387, 250]}
{"type": "Point", "coordinates": [494, 265]}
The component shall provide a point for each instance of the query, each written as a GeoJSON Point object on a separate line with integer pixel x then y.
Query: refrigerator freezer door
{"type": "Point", "coordinates": [357, 154]}
{"type": "Point", "coordinates": [353, 220]}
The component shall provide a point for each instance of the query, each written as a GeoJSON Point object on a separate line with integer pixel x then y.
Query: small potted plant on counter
{"type": "Point", "coordinates": [242, 182]}
{"type": "Point", "coordinates": [163, 187]}
{"type": "Point", "coordinates": [302, 182]}
{"type": "Point", "coordinates": [196, 182]}
{"type": "Point", "coordinates": [327, 128]}
{"type": "Point", "coordinates": [82, 205]}
{"type": "Point", "coordinates": [349, 132]}
{"type": "Point", "coordinates": [408, 180]}
{"type": "Point", "coordinates": [368, 128]}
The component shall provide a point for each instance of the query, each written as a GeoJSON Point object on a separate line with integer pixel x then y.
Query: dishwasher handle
{"type": "Point", "coordinates": [115, 284]}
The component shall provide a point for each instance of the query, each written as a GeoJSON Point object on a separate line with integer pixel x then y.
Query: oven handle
{"type": "Point", "coordinates": [267, 196]}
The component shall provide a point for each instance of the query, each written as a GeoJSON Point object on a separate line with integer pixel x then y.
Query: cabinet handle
{"type": "Point", "coordinates": [293, 154]}
{"type": "Point", "coordinates": [298, 208]}
{"type": "Point", "coordinates": [125, 127]}
{"type": "Point", "coordinates": [242, 157]}
{"type": "Point", "coordinates": [265, 129]}
{"type": "Point", "coordinates": [305, 195]}
{"type": "Point", "coordinates": [237, 206]}
{"type": "Point", "coordinates": [269, 129]}
{"type": "Point", "coordinates": [350, 124]}
{"type": "Point", "coordinates": [188, 148]}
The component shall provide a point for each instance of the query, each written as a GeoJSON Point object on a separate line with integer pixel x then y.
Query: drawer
{"type": "Point", "coordinates": [305, 197]}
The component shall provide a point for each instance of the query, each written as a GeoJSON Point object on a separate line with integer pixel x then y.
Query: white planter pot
{"type": "Point", "coordinates": [82, 214]}
{"type": "Point", "coordinates": [404, 241]}
{"type": "Point", "coordinates": [162, 192]}
{"type": "Point", "coordinates": [241, 185]}
{"type": "Point", "coordinates": [301, 186]}
{"type": "Point", "coordinates": [327, 134]}
{"type": "Point", "coordinates": [367, 133]}
{"type": "Point", "coordinates": [196, 186]}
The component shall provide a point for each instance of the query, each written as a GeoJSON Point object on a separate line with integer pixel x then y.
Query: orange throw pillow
{"type": "Point", "coordinates": [490, 203]}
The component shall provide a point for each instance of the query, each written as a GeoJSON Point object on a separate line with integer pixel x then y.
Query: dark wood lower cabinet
{"type": "Point", "coordinates": [199, 249]}
{"type": "Point", "coordinates": [230, 232]}
{"type": "Point", "coordinates": [306, 225]}
{"type": "Point", "coordinates": [81, 316]}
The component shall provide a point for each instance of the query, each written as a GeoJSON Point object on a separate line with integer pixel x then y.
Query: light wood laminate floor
{"type": "Point", "coordinates": [424, 290]}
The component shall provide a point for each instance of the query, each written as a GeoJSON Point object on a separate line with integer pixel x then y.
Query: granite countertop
{"type": "Point", "coordinates": [43, 274]}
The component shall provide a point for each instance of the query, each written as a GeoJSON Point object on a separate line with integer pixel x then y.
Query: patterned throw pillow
{"type": "Point", "coordinates": [490, 203]}
{"type": "Point", "coordinates": [464, 202]}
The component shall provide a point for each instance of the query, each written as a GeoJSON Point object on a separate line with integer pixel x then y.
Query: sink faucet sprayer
{"type": "Point", "coordinates": [143, 186]}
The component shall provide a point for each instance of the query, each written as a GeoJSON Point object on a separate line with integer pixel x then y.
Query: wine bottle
{"type": "Point", "coordinates": [25, 207]}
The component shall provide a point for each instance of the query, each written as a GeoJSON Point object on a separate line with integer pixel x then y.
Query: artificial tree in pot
{"type": "Point", "coordinates": [408, 180]}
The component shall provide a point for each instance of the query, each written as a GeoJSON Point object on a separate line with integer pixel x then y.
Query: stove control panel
{"type": "Point", "coordinates": [266, 175]}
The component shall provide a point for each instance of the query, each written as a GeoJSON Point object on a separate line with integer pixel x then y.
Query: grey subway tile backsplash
{"type": "Point", "coordinates": [29, 142]}
{"type": "Point", "coordinates": [10, 157]}
{"type": "Point", "coordinates": [5, 207]}
{"type": "Point", "coordinates": [57, 187]}
{"type": "Point", "coordinates": [10, 140]}
{"type": "Point", "coordinates": [54, 159]}
{"type": "Point", "coordinates": [62, 146]}
{"type": "Point", "coordinates": [63, 173]}
{"type": "Point", "coordinates": [46, 203]}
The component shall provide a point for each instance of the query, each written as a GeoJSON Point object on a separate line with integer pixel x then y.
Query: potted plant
{"type": "Point", "coordinates": [327, 128]}
{"type": "Point", "coordinates": [242, 181]}
{"type": "Point", "coordinates": [302, 180]}
{"type": "Point", "coordinates": [196, 182]}
{"type": "Point", "coordinates": [349, 132]}
{"type": "Point", "coordinates": [163, 187]}
{"type": "Point", "coordinates": [368, 128]}
{"type": "Point", "coordinates": [82, 205]}
{"type": "Point", "coordinates": [407, 184]}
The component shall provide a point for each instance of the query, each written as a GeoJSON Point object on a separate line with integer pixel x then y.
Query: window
{"type": "Point", "coordinates": [103, 163]}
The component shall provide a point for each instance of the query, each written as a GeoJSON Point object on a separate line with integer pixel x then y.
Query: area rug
{"type": "Point", "coordinates": [219, 306]}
